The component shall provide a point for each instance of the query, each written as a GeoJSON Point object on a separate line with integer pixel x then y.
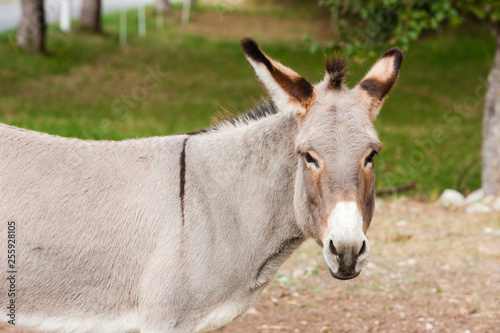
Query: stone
{"type": "Point", "coordinates": [478, 207]}
{"type": "Point", "coordinates": [414, 210]}
{"type": "Point", "coordinates": [488, 230]}
{"type": "Point", "coordinates": [496, 204]}
{"type": "Point", "coordinates": [488, 200]}
{"type": "Point", "coordinates": [411, 262]}
{"type": "Point", "coordinates": [475, 196]}
{"type": "Point", "coordinates": [254, 312]}
{"type": "Point", "coordinates": [401, 223]}
{"type": "Point", "coordinates": [451, 198]}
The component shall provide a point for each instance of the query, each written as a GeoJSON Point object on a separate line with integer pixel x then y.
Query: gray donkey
{"type": "Point", "coordinates": [181, 233]}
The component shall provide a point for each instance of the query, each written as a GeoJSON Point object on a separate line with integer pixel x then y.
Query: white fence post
{"type": "Point", "coordinates": [141, 16]}
{"type": "Point", "coordinates": [65, 15]}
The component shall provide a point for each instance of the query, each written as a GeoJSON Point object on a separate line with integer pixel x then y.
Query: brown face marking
{"type": "Point", "coordinates": [315, 196]}
{"type": "Point", "coordinates": [366, 194]}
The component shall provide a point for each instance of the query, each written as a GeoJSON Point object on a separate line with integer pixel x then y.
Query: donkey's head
{"type": "Point", "coordinates": [335, 184]}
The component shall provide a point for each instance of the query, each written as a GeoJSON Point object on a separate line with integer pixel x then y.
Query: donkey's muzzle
{"type": "Point", "coordinates": [345, 246]}
{"type": "Point", "coordinates": [345, 261]}
{"type": "Point", "coordinates": [344, 276]}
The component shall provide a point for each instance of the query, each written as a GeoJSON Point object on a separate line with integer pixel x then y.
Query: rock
{"type": "Point", "coordinates": [478, 207]}
{"type": "Point", "coordinates": [401, 223]}
{"type": "Point", "coordinates": [254, 312]}
{"type": "Point", "coordinates": [451, 198]}
{"type": "Point", "coordinates": [475, 196]}
{"type": "Point", "coordinates": [488, 200]}
{"type": "Point", "coordinates": [496, 204]}
{"type": "Point", "coordinates": [325, 329]}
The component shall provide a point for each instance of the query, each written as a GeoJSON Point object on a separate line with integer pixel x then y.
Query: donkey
{"type": "Point", "coordinates": [181, 233]}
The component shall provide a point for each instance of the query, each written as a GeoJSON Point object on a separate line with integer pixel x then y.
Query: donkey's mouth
{"type": "Point", "coordinates": [344, 276]}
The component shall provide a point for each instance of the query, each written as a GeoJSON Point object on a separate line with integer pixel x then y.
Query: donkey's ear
{"type": "Point", "coordinates": [288, 90]}
{"type": "Point", "coordinates": [377, 84]}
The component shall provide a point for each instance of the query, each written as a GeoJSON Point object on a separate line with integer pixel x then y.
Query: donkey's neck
{"type": "Point", "coordinates": [238, 197]}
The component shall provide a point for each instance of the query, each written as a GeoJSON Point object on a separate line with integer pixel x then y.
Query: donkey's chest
{"type": "Point", "coordinates": [225, 312]}
{"type": "Point", "coordinates": [241, 299]}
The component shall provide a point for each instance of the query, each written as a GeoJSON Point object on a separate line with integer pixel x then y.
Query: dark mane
{"type": "Point", "coordinates": [258, 112]}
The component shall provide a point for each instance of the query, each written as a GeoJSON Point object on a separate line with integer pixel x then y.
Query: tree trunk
{"type": "Point", "coordinates": [491, 128]}
{"type": "Point", "coordinates": [90, 16]}
{"type": "Point", "coordinates": [193, 3]}
{"type": "Point", "coordinates": [163, 6]}
{"type": "Point", "coordinates": [31, 33]}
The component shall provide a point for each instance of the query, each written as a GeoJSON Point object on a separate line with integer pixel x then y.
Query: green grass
{"type": "Point", "coordinates": [80, 90]}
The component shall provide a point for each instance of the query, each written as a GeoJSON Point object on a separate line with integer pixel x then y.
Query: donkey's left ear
{"type": "Point", "coordinates": [378, 82]}
{"type": "Point", "coordinates": [289, 91]}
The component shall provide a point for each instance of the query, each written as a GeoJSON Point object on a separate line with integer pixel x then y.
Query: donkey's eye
{"type": "Point", "coordinates": [310, 160]}
{"type": "Point", "coordinates": [370, 157]}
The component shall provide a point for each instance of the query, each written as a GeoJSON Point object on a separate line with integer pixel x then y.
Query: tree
{"type": "Point", "coordinates": [31, 33]}
{"type": "Point", "coordinates": [90, 16]}
{"type": "Point", "coordinates": [489, 13]}
{"type": "Point", "coordinates": [163, 6]}
{"type": "Point", "coordinates": [401, 22]}
{"type": "Point", "coordinates": [490, 175]}
{"type": "Point", "coordinates": [386, 21]}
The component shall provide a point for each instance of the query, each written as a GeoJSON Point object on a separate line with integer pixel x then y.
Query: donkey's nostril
{"type": "Point", "coordinates": [363, 248]}
{"type": "Point", "coordinates": [333, 250]}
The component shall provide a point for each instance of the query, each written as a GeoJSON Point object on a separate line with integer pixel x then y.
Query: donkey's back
{"type": "Point", "coordinates": [87, 216]}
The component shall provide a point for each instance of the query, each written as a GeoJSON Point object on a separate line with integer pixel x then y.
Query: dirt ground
{"type": "Point", "coordinates": [431, 269]}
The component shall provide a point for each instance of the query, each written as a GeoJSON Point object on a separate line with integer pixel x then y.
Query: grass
{"type": "Point", "coordinates": [91, 87]}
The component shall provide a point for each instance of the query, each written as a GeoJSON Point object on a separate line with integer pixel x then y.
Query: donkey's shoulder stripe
{"type": "Point", "coordinates": [182, 177]}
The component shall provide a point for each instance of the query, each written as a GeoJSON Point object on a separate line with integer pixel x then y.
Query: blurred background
{"type": "Point", "coordinates": [115, 69]}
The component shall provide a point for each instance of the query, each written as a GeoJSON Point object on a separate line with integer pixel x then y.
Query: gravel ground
{"type": "Point", "coordinates": [432, 269]}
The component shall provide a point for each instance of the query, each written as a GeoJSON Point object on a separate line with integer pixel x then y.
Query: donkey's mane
{"type": "Point", "coordinates": [227, 120]}
{"type": "Point", "coordinates": [260, 111]}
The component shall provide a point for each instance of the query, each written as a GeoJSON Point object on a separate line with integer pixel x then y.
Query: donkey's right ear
{"type": "Point", "coordinates": [289, 91]}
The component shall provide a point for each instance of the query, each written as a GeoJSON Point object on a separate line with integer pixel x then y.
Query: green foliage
{"type": "Point", "coordinates": [362, 25]}
{"type": "Point", "coordinates": [365, 24]}
{"type": "Point", "coordinates": [485, 10]}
